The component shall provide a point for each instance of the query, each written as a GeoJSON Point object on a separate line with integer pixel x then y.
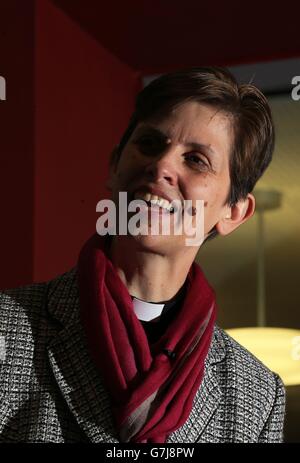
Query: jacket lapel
{"type": "Point", "coordinates": [75, 374]}
{"type": "Point", "coordinates": [207, 398]}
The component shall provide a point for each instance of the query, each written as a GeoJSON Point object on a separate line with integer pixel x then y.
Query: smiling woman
{"type": "Point", "coordinates": [186, 174]}
{"type": "Point", "coordinates": [125, 346]}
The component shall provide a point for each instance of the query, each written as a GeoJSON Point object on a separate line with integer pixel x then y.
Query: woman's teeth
{"type": "Point", "coordinates": [153, 199]}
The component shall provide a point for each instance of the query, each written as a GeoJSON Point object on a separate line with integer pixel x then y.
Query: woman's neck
{"type": "Point", "coordinates": [148, 275]}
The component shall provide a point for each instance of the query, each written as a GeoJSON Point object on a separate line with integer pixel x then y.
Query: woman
{"type": "Point", "coordinates": [130, 333]}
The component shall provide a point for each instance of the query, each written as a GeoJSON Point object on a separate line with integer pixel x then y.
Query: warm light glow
{"type": "Point", "coordinates": [277, 348]}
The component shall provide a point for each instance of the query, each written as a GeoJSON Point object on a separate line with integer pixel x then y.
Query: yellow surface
{"type": "Point", "coordinates": [277, 348]}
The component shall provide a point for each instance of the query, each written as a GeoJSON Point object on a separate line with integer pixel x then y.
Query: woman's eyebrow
{"type": "Point", "coordinates": [148, 129]}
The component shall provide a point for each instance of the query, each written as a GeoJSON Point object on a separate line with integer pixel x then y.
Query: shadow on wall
{"type": "Point", "coordinates": [292, 427]}
{"type": "Point", "coordinates": [236, 291]}
{"type": "Point", "coordinates": [236, 297]}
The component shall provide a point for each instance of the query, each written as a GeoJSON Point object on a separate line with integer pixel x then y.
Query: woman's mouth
{"type": "Point", "coordinates": [156, 203]}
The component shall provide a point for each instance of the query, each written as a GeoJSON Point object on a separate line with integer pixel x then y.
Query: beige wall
{"type": "Point", "coordinates": [230, 262]}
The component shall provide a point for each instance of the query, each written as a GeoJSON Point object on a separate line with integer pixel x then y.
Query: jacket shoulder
{"type": "Point", "coordinates": [255, 389]}
{"type": "Point", "coordinates": [16, 303]}
{"type": "Point", "coordinates": [31, 295]}
{"type": "Point", "coordinates": [240, 357]}
{"type": "Point", "coordinates": [24, 309]}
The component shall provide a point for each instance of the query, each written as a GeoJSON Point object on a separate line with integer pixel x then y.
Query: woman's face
{"type": "Point", "coordinates": [186, 156]}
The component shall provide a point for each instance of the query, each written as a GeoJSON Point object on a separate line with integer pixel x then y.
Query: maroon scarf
{"type": "Point", "coordinates": [151, 390]}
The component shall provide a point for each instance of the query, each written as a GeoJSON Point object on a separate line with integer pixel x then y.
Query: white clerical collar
{"type": "Point", "coordinates": [146, 311]}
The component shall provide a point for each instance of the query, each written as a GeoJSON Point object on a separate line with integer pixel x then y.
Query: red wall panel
{"type": "Point", "coordinates": [84, 97]}
{"type": "Point", "coordinates": [16, 142]}
{"type": "Point", "coordinates": [68, 102]}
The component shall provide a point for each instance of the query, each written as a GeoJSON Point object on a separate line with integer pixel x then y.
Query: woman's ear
{"type": "Point", "coordinates": [235, 215]}
{"type": "Point", "coordinates": [113, 161]}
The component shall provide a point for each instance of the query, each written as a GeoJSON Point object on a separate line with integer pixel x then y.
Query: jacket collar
{"type": "Point", "coordinates": [81, 384]}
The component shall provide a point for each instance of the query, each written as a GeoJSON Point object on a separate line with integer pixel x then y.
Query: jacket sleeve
{"type": "Point", "coordinates": [273, 428]}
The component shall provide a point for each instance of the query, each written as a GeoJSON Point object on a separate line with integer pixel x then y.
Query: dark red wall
{"type": "Point", "coordinates": [68, 102]}
{"type": "Point", "coordinates": [16, 142]}
{"type": "Point", "coordinates": [84, 97]}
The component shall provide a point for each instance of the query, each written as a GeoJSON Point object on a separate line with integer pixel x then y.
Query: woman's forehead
{"type": "Point", "coordinates": [189, 118]}
{"type": "Point", "coordinates": [190, 123]}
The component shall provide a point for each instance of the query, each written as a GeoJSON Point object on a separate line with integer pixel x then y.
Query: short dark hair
{"type": "Point", "coordinates": [253, 127]}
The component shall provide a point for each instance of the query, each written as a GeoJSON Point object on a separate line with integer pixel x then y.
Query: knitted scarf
{"type": "Point", "coordinates": [151, 387]}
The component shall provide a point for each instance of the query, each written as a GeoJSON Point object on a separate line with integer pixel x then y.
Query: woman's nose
{"type": "Point", "coordinates": [163, 167]}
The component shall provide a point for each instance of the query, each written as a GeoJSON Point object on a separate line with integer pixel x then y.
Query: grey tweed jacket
{"type": "Point", "coordinates": [50, 391]}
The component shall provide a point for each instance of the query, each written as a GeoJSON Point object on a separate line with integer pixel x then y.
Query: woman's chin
{"type": "Point", "coordinates": [157, 242]}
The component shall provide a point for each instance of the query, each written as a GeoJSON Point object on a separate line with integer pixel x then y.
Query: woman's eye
{"type": "Point", "coordinates": [144, 141]}
{"type": "Point", "coordinates": [149, 145]}
{"type": "Point", "coordinates": [197, 160]}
